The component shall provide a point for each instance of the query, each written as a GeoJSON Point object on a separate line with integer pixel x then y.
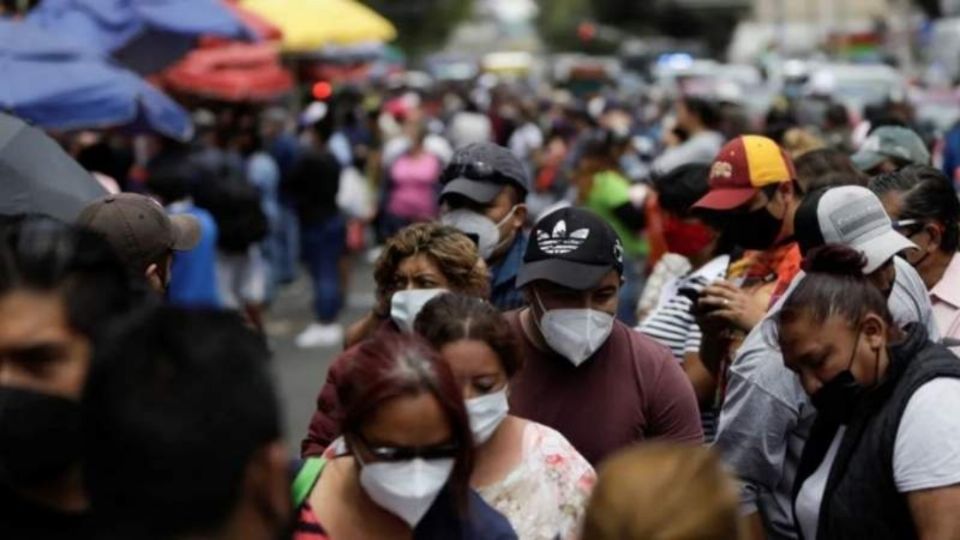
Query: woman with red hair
{"type": "Point", "coordinates": [407, 459]}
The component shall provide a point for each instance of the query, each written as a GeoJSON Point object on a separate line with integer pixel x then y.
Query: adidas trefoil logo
{"type": "Point", "coordinates": [559, 242]}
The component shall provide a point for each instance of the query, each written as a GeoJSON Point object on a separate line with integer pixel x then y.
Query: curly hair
{"type": "Point", "coordinates": [450, 250]}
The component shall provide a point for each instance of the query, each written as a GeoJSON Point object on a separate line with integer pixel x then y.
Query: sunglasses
{"type": "Point", "coordinates": [407, 453]}
{"type": "Point", "coordinates": [472, 170]}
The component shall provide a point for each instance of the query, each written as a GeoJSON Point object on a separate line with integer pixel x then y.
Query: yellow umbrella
{"type": "Point", "coordinates": [309, 25]}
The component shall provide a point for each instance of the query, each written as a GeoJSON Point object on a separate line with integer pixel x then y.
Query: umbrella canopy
{"type": "Point", "coordinates": [263, 28]}
{"type": "Point", "coordinates": [144, 35]}
{"type": "Point", "coordinates": [37, 176]}
{"type": "Point", "coordinates": [312, 24]}
{"type": "Point", "coordinates": [235, 72]}
{"type": "Point", "coordinates": [51, 82]}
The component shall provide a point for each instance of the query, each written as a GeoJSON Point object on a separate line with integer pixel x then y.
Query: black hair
{"type": "Point", "coordinates": [706, 110]}
{"type": "Point", "coordinates": [42, 254]}
{"type": "Point", "coordinates": [600, 144]}
{"type": "Point", "coordinates": [827, 167]}
{"type": "Point", "coordinates": [927, 195]}
{"type": "Point", "coordinates": [834, 284]}
{"type": "Point", "coordinates": [681, 187]}
{"type": "Point", "coordinates": [837, 115]}
{"type": "Point", "coordinates": [97, 157]}
{"type": "Point", "coordinates": [172, 421]}
{"type": "Point", "coordinates": [169, 184]}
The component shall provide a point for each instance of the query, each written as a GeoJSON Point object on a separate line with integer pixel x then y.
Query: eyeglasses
{"type": "Point", "coordinates": [907, 227]}
{"type": "Point", "coordinates": [407, 453]}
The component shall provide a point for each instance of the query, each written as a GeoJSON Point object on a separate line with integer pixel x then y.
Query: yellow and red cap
{"type": "Point", "coordinates": [743, 166]}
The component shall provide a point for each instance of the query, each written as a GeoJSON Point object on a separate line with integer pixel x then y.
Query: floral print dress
{"type": "Point", "coordinates": [546, 495]}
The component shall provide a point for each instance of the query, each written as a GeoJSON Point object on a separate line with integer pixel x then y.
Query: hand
{"type": "Point", "coordinates": [724, 301]}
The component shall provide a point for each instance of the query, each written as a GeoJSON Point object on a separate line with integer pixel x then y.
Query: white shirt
{"type": "Point", "coordinates": [926, 453]}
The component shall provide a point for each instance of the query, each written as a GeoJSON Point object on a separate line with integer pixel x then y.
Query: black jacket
{"type": "Point", "coordinates": [861, 499]}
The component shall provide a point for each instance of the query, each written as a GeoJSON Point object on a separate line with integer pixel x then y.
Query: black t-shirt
{"type": "Point", "coordinates": [20, 518]}
{"type": "Point", "coordinates": [313, 184]}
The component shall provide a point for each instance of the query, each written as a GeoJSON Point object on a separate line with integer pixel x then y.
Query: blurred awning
{"type": "Point", "coordinates": [232, 72]}
{"type": "Point", "coordinates": [53, 83]}
{"type": "Point", "coordinates": [309, 25]}
{"type": "Point", "coordinates": [144, 35]}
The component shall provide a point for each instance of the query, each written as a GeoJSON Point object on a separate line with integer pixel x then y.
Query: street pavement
{"type": "Point", "coordinates": [300, 373]}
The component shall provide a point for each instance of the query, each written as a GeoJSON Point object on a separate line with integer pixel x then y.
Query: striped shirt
{"type": "Point", "coordinates": [673, 325]}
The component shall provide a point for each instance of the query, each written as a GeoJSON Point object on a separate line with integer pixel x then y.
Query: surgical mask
{"type": "Point", "coordinates": [837, 399]}
{"type": "Point", "coordinates": [575, 334]}
{"type": "Point", "coordinates": [754, 230]}
{"type": "Point", "coordinates": [480, 228]}
{"type": "Point", "coordinates": [406, 489]}
{"type": "Point", "coordinates": [39, 436]}
{"type": "Point", "coordinates": [405, 305]}
{"type": "Point", "coordinates": [486, 413]}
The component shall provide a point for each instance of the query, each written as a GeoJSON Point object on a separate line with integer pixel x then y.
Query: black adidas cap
{"type": "Point", "coordinates": [571, 247]}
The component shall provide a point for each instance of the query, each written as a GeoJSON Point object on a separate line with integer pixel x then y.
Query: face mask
{"type": "Point", "coordinates": [406, 305]}
{"type": "Point", "coordinates": [755, 230]}
{"type": "Point", "coordinates": [486, 414]}
{"type": "Point", "coordinates": [40, 435]}
{"type": "Point", "coordinates": [406, 489]}
{"type": "Point", "coordinates": [684, 238]}
{"type": "Point", "coordinates": [837, 398]}
{"type": "Point", "coordinates": [575, 334]}
{"type": "Point", "coordinates": [480, 228]}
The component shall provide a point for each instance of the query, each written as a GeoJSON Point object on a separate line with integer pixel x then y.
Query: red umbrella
{"type": "Point", "coordinates": [261, 26]}
{"type": "Point", "coordinates": [231, 72]}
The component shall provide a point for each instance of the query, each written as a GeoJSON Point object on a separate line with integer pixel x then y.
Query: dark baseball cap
{"type": "Point", "coordinates": [139, 229]}
{"type": "Point", "coordinates": [480, 171]}
{"type": "Point", "coordinates": [571, 247]}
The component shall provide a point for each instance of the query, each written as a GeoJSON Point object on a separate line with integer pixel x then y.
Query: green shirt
{"type": "Point", "coordinates": [610, 191]}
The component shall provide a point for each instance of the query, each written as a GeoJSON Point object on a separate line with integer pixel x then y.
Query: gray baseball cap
{"type": "Point", "coordinates": [139, 229]}
{"type": "Point", "coordinates": [851, 216]}
{"type": "Point", "coordinates": [891, 142]}
{"type": "Point", "coordinates": [480, 171]}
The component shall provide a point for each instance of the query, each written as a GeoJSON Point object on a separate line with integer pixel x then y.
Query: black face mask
{"type": "Point", "coordinates": [39, 436]}
{"type": "Point", "coordinates": [754, 230]}
{"type": "Point", "coordinates": [837, 399]}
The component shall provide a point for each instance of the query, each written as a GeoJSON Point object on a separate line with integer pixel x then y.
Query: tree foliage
{"type": "Point", "coordinates": [422, 25]}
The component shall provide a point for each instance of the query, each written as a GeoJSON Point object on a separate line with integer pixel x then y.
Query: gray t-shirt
{"type": "Point", "coordinates": [766, 415]}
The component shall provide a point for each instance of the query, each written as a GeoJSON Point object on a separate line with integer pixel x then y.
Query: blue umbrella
{"type": "Point", "coordinates": [144, 35]}
{"type": "Point", "coordinates": [53, 83]}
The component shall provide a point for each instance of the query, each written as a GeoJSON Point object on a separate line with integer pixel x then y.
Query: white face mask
{"type": "Point", "coordinates": [486, 414]}
{"type": "Point", "coordinates": [489, 237]}
{"type": "Point", "coordinates": [575, 334]}
{"type": "Point", "coordinates": [405, 305]}
{"type": "Point", "coordinates": [406, 489]}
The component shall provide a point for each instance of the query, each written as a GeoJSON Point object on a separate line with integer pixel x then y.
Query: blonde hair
{"type": "Point", "coordinates": [798, 141]}
{"type": "Point", "coordinates": [663, 492]}
{"type": "Point", "coordinates": [454, 254]}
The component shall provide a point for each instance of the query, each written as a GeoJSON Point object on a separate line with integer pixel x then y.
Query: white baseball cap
{"type": "Point", "coordinates": [851, 216]}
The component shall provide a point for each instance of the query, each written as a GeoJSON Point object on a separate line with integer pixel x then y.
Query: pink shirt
{"type": "Point", "coordinates": [414, 187]}
{"type": "Point", "coordinates": [945, 298]}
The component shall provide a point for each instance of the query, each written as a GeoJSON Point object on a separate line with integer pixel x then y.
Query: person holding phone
{"type": "Point", "coordinates": [673, 322]}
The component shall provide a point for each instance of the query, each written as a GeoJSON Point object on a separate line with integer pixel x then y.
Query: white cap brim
{"type": "Point", "coordinates": [880, 249]}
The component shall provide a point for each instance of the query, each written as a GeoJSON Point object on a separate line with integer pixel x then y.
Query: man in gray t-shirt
{"type": "Point", "coordinates": [766, 415]}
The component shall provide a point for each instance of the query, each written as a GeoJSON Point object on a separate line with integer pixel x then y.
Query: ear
{"type": "Point", "coordinates": [874, 330]}
{"type": "Point", "coordinates": [153, 277]}
{"type": "Point", "coordinates": [935, 232]}
{"type": "Point", "coordinates": [520, 216]}
{"type": "Point", "coordinates": [268, 482]}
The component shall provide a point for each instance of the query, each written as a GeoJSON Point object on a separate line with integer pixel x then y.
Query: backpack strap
{"type": "Point", "coordinates": [307, 478]}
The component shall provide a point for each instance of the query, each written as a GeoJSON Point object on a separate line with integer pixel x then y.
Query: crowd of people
{"type": "Point", "coordinates": [717, 335]}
